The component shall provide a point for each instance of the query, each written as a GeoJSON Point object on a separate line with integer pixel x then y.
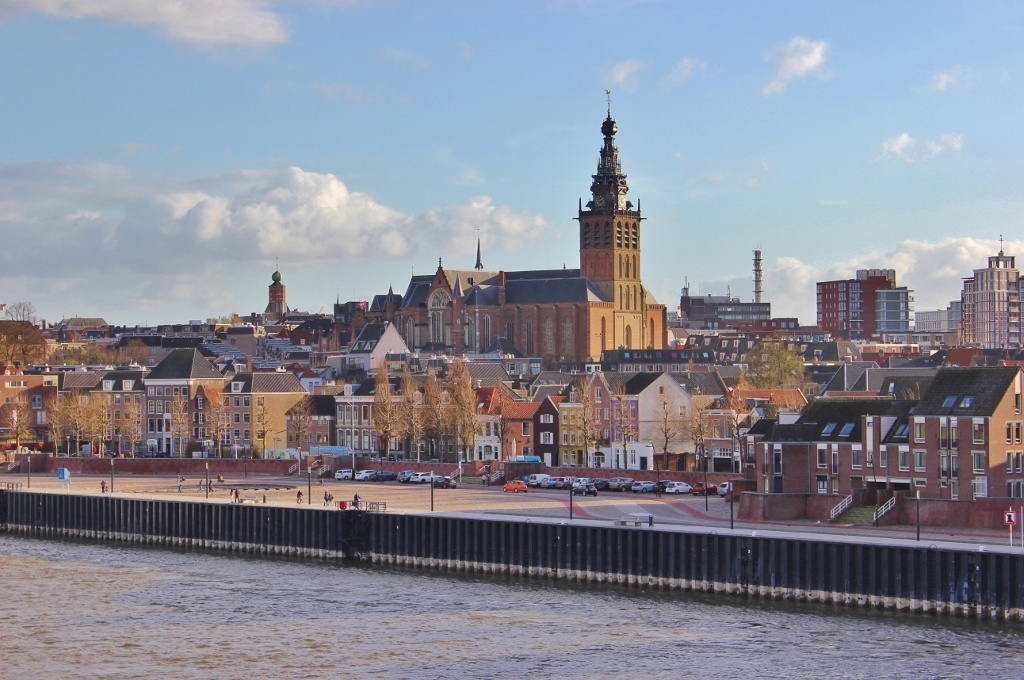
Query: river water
{"type": "Point", "coordinates": [77, 610]}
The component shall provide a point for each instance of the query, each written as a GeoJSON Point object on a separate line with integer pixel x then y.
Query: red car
{"type": "Point", "coordinates": [700, 490]}
{"type": "Point", "coordinates": [515, 486]}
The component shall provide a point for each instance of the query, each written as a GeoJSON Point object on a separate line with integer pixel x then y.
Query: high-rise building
{"type": "Point", "coordinates": [991, 305]}
{"type": "Point", "coordinates": [867, 307]}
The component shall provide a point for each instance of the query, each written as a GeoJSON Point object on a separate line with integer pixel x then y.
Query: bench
{"type": "Point", "coordinates": [636, 519]}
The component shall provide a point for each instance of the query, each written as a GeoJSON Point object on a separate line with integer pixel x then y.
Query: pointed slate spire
{"type": "Point", "coordinates": [479, 263]}
{"type": "Point", "coordinates": [458, 287]}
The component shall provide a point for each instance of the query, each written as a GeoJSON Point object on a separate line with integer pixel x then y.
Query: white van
{"type": "Point", "coordinates": [535, 480]}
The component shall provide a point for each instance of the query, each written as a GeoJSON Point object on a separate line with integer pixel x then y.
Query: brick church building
{"type": "Point", "coordinates": [560, 315]}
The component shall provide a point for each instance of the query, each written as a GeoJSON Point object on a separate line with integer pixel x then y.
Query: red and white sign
{"type": "Point", "coordinates": [1009, 518]}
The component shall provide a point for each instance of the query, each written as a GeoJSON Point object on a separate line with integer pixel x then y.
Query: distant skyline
{"type": "Point", "coordinates": [157, 158]}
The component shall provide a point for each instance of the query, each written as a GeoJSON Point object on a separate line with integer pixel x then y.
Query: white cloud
{"type": "Point", "coordinates": [454, 230]}
{"type": "Point", "coordinates": [909, 150]}
{"type": "Point", "coordinates": [204, 23]}
{"type": "Point", "coordinates": [406, 58]}
{"type": "Point", "coordinates": [684, 70]}
{"type": "Point", "coordinates": [799, 59]}
{"type": "Point", "coordinates": [956, 78]}
{"type": "Point", "coordinates": [625, 74]}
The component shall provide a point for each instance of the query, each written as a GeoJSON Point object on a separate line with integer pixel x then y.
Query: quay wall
{"type": "Point", "coordinates": [914, 578]}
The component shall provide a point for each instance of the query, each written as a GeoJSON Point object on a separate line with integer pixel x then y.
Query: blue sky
{"type": "Point", "coordinates": [157, 159]}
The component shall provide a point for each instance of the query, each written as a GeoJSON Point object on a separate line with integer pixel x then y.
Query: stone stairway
{"type": "Point", "coordinates": [861, 515]}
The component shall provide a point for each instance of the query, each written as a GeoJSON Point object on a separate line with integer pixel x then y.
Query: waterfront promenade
{"type": "Point", "coordinates": [475, 500]}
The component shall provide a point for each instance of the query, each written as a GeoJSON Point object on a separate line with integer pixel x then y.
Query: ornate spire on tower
{"type": "Point", "coordinates": [479, 264]}
{"type": "Point", "coordinates": [609, 187]}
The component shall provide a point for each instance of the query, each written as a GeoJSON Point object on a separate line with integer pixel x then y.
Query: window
{"type": "Point", "coordinates": [547, 438]}
{"type": "Point", "coordinates": [822, 457]}
{"type": "Point", "coordinates": [948, 402]}
{"type": "Point", "coordinates": [980, 487]}
{"type": "Point", "coordinates": [547, 418]}
{"type": "Point", "coordinates": [979, 461]}
{"type": "Point", "coordinates": [822, 484]}
{"type": "Point", "coordinates": [918, 432]}
{"type": "Point", "coordinates": [919, 457]}
{"type": "Point", "coordinates": [847, 429]}
{"type": "Point", "coordinates": [904, 459]}
{"type": "Point", "coordinates": [856, 459]}
{"type": "Point", "coordinates": [829, 429]}
{"type": "Point", "coordinates": [967, 402]}
{"type": "Point", "coordinates": [37, 401]}
{"type": "Point", "coordinates": [526, 429]}
{"type": "Point", "coordinates": [597, 395]}
{"type": "Point", "coordinates": [978, 433]}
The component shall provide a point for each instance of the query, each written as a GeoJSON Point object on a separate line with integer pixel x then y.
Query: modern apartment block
{"type": "Point", "coordinates": [991, 305]}
{"type": "Point", "coordinates": [867, 307]}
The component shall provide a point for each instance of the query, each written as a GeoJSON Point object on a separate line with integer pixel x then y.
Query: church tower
{"type": "Point", "coordinates": [277, 303]}
{"type": "Point", "coordinates": [610, 245]}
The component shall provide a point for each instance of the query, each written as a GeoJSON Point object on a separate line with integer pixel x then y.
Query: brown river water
{"type": "Point", "coordinates": [77, 610]}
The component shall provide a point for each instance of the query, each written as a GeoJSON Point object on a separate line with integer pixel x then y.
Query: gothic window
{"type": "Point", "coordinates": [529, 337]}
{"type": "Point", "coordinates": [629, 337]}
{"type": "Point", "coordinates": [650, 335]}
{"type": "Point", "coordinates": [438, 306]}
{"type": "Point", "coordinates": [621, 299]}
{"type": "Point", "coordinates": [487, 332]}
{"type": "Point", "coordinates": [567, 337]}
{"type": "Point", "coordinates": [549, 336]}
{"type": "Point", "coordinates": [636, 272]}
{"type": "Point", "coordinates": [510, 331]}
{"type": "Point", "coordinates": [607, 234]}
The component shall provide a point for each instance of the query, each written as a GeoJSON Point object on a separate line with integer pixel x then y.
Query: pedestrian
{"type": "Point", "coordinates": [330, 499]}
{"type": "Point", "coordinates": [355, 502]}
{"type": "Point", "coordinates": [179, 487]}
{"type": "Point", "coordinates": [326, 498]}
{"type": "Point", "coordinates": [298, 498]}
{"type": "Point", "coordinates": [103, 486]}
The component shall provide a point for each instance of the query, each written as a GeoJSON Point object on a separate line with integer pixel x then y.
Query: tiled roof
{"type": "Point", "coordinates": [839, 419]}
{"type": "Point", "coordinates": [487, 373]}
{"type": "Point", "coordinates": [77, 380]}
{"type": "Point", "coordinates": [959, 391]}
{"type": "Point", "coordinates": [184, 364]}
{"type": "Point", "coordinates": [520, 410]}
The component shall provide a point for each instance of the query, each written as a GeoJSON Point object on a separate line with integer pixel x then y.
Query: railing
{"type": "Point", "coordinates": [889, 505]}
{"type": "Point", "coordinates": [293, 468]}
{"type": "Point", "coordinates": [13, 466]}
{"type": "Point", "coordinates": [323, 470]}
{"type": "Point", "coordinates": [843, 505]}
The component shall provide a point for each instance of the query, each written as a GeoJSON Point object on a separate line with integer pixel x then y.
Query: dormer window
{"type": "Point", "coordinates": [967, 402]}
{"type": "Point", "coordinates": [949, 402]}
{"type": "Point", "coordinates": [108, 385]}
{"type": "Point", "coordinates": [236, 387]}
{"type": "Point", "coordinates": [847, 429]}
{"type": "Point", "coordinates": [829, 429]}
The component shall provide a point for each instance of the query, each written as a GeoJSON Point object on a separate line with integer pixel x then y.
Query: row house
{"type": "Point", "coordinates": [25, 396]}
{"type": "Point", "coordinates": [961, 440]}
{"type": "Point", "coordinates": [547, 426]}
{"type": "Point", "coordinates": [734, 414]}
{"type": "Point", "coordinates": [124, 391]}
{"type": "Point", "coordinates": [174, 384]}
{"type": "Point", "coordinates": [256, 406]}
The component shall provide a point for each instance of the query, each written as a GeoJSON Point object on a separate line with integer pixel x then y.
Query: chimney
{"type": "Point", "coordinates": [501, 287]}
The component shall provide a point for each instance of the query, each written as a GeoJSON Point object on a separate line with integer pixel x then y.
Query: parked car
{"type": "Point", "coordinates": [700, 490]}
{"type": "Point", "coordinates": [563, 482]}
{"type": "Point", "coordinates": [619, 483]}
{"type": "Point", "coordinates": [441, 482]}
{"type": "Point", "coordinates": [724, 488]}
{"type": "Point", "coordinates": [387, 476]}
{"type": "Point", "coordinates": [584, 490]}
{"type": "Point", "coordinates": [643, 487]}
{"type": "Point", "coordinates": [344, 474]}
{"type": "Point", "coordinates": [601, 483]}
{"type": "Point", "coordinates": [678, 487]}
{"type": "Point", "coordinates": [515, 486]}
{"type": "Point", "coordinates": [579, 481]}
{"type": "Point", "coordinates": [535, 480]}
{"type": "Point", "coordinates": [420, 478]}
{"type": "Point", "coordinates": [549, 482]}
{"type": "Point", "coordinates": [404, 476]}
{"type": "Point", "coordinates": [365, 475]}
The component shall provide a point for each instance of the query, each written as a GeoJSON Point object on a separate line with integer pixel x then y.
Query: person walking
{"type": "Point", "coordinates": [355, 502]}
{"type": "Point", "coordinates": [298, 498]}
{"type": "Point", "coordinates": [103, 486]}
{"type": "Point", "coordinates": [327, 498]}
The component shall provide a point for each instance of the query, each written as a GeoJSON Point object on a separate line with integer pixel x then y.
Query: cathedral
{"type": "Point", "coordinates": [560, 315]}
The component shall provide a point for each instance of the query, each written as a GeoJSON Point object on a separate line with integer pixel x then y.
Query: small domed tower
{"type": "Point", "coordinates": [277, 304]}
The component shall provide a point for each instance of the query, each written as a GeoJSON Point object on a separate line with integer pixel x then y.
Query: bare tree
{"type": "Point", "coordinates": [670, 426]}
{"type": "Point", "coordinates": [97, 419]}
{"type": "Point", "coordinates": [16, 416]}
{"type": "Point", "coordinates": [697, 428]}
{"type": "Point", "coordinates": [21, 311]}
{"type": "Point", "coordinates": [180, 423]}
{"type": "Point", "coordinates": [625, 417]}
{"type": "Point", "coordinates": [260, 419]}
{"type": "Point", "coordinates": [135, 352]}
{"type": "Point", "coordinates": [300, 421]}
{"type": "Point", "coordinates": [409, 414]}
{"type": "Point", "coordinates": [217, 417]}
{"type": "Point", "coordinates": [588, 417]}
{"type": "Point", "coordinates": [385, 410]}
{"type": "Point", "coordinates": [130, 426]}
{"type": "Point", "coordinates": [57, 419]}
{"type": "Point", "coordinates": [22, 342]}
{"type": "Point", "coordinates": [435, 417]}
{"type": "Point", "coordinates": [463, 406]}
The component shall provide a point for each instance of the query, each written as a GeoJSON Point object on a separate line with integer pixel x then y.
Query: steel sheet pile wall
{"type": "Point", "coordinates": [920, 579]}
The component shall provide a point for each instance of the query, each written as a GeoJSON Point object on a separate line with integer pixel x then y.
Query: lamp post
{"type": "Point", "coordinates": [111, 475]}
{"type": "Point", "coordinates": [431, 490]}
{"type": "Point", "coordinates": [570, 497]}
{"type": "Point", "coordinates": [28, 460]}
{"type": "Point", "coordinates": [309, 481]}
{"type": "Point", "coordinates": [207, 481]}
{"type": "Point", "coordinates": [919, 514]}
{"type": "Point", "coordinates": [69, 446]}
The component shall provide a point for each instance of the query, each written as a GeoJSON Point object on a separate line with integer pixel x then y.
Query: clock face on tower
{"type": "Point", "coordinates": [599, 202]}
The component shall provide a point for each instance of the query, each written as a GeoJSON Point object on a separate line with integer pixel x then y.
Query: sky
{"type": "Point", "coordinates": [159, 160]}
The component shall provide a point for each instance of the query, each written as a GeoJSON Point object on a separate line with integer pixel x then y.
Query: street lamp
{"type": "Point", "coordinates": [69, 446]}
{"type": "Point", "coordinates": [207, 481]}
{"type": "Point", "coordinates": [111, 475]}
{"type": "Point", "coordinates": [309, 481]}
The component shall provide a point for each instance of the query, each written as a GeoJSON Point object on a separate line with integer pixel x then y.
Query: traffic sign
{"type": "Point", "coordinates": [63, 475]}
{"type": "Point", "coordinates": [1009, 518]}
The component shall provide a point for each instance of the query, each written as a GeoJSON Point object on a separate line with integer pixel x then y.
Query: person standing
{"type": "Point", "coordinates": [326, 499]}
